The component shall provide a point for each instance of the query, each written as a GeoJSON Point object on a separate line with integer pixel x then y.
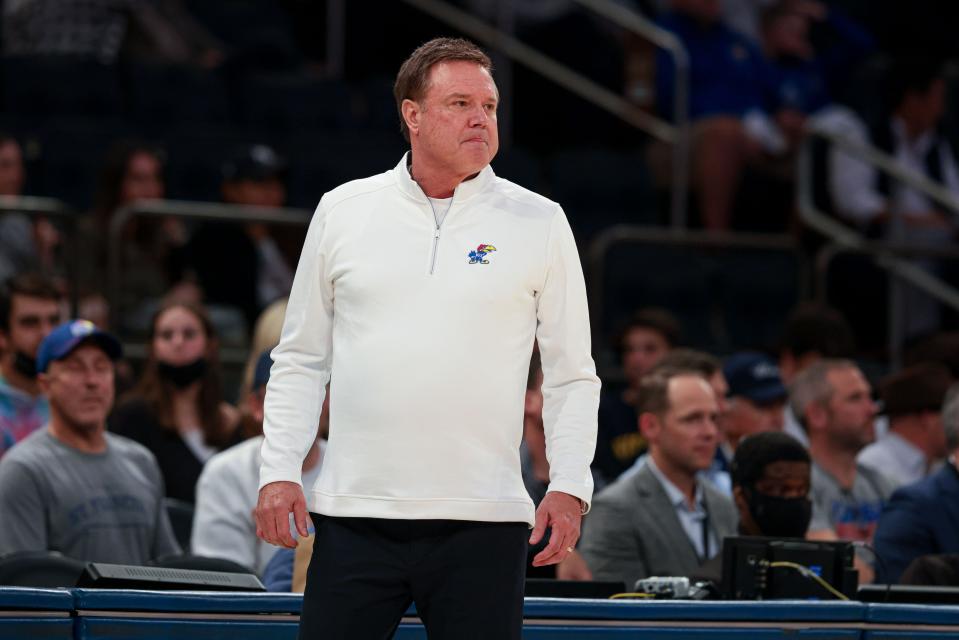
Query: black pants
{"type": "Point", "coordinates": [466, 578]}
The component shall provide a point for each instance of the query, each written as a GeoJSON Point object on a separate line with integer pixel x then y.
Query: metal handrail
{"type": "Point", "coordinates": [676, 134]}
{"type": "Point", "coordinates": [187, 210]}
{"type": "Point", "coordinates": [702, 239]}
{"type": "Point", "coordinates": [885, 254]}
{"type": "Point", "coordinates": [38, 206]}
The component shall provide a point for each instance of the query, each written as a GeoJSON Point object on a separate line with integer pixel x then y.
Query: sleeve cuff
{"type": "Point", "coordinates": [268, 477]}
{"type": "Point", "coordinates": [584, 494]}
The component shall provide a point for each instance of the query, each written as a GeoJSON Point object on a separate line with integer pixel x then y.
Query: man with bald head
{"type": "Point", "coordinates": [832, 400]}
{"type": "Point", "coordinates": [663, 520]}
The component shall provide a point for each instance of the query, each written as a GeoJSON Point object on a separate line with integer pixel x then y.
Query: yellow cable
{"type": "Point", "coordinates": [617, 596]}
{"type": "Point", "coordinates": [809, 573]}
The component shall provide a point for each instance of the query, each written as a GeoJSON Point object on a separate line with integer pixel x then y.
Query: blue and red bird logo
{"type": "Point", "coordinates": [478, 255]}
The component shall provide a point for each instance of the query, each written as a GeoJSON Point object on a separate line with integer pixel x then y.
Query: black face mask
{"type": "Point", "coordinates": [780, 517]}
{"type": "Point", "coordinates": [25, 365]}
{"type": "Point", "coordinates": [183, 375]}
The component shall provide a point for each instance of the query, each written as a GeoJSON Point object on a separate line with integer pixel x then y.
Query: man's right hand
{"type": "Point", "coordinates": [277, 501]}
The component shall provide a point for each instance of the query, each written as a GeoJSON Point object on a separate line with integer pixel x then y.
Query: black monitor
{"type": "Point", "coordinates": [757, 568]}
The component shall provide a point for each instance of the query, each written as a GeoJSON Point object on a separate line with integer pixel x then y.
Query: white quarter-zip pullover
{"type": "Point", "coordinates": [425, 333]}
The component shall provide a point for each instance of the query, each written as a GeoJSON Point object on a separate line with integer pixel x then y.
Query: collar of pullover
{"type": "Point", "coordinates": [464, 191]}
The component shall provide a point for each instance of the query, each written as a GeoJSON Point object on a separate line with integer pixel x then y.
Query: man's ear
{"type": "Point", "coordinates": [43, 380]}
{"type": "Point", "coordinates": [649, 426]}
{"type": "Point", "coordinates": [4, 342]}
{"type": "Point", "coordinates": [411, 115]}
{"type": "Point", "coordinates": [817, 416]}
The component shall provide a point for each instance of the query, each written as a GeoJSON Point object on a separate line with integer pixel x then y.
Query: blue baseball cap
{"type": "Point", "coordinates": [65, 338]}
{"type": "Point", "coordinates": [261, 374]}
{"type": "Point", "coordinates": [754, 376]}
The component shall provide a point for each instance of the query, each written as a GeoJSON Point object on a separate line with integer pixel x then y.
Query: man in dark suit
{"type": "Point", "coordinates": [663, 520]}
{"type": "Point", "coordinates": [923, 518]}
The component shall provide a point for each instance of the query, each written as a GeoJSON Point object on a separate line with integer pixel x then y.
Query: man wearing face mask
{"type": "Point", "coordinates": [771, 479]}
{"type": "Point", "coordinates": [29, 310]}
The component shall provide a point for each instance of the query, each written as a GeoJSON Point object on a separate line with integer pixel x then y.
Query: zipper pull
{"type": "Point", "coordinates": [436, 233]}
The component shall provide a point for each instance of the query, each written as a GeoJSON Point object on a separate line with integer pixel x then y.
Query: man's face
{"type": "Point", "coordinates": [11, 169]}
{"type": "Point", "coordinates": [31, 319]}
{"type": "Point", "coordinates": [686, 435]}
{"type": "Point", "coordinates": [80, 388]}
{"type": "Point", "coordinates": [784, 479]}
{"type": "Point", "coordinates": [643, 348]}
{"type": "Point", "coordinates": [744, 417]}
{"type": "Point", "coordinates": [850, 411]}
{"type": "Point", "coordinates": [454, 124]}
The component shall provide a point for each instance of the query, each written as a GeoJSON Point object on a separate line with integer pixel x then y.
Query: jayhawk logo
{"type": "Point", "coordinates": [478, 255]}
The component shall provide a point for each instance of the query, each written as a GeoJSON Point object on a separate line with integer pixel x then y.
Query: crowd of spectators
{"type": "Point", "coordinates": [692, 447]}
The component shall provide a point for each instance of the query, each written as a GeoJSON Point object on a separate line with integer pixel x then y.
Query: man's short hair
{"type": "Point", "coordinates": [412, 80]}
{"type": "Point", "coordinates": [654, 319]}
{"type": "Point", "coordinates": [684, 359]}
{"type": "Point", "coordinates": [33, 285]}
{"type": "Point", "coordinates": [758, 451]}
{"type": "Point", "coordinates": [917, 389]}
{"type": "Point", "coordinates": [817, 328]}
{"type": "Point", "coordinates": [653, 393]}
{"type": "Point", "coordinates": [911, 74]}
{"type": "Point", "coordinates": [812, 386]}
{"type": "Point", "coordinates": [950, 417]}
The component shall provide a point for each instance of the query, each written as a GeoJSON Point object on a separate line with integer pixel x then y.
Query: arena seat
{"type": "Point", "coordinates": [39, 569]}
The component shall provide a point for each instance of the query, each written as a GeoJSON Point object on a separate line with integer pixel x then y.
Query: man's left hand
{"type": "Point", "coordinates": [563, 513]}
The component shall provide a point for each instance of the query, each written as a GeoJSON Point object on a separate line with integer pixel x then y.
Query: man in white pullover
{"type": "Point", "coordinates": [418, 295]}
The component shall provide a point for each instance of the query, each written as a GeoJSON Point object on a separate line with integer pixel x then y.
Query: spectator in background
{"type": "Point", "coordinates": [726, 75]}
{"type": "Point", "coordinates": [710, 368]}
{"type": "Point", "coordinates": [832, 400]}
{"type": "Point", "coordinates": [158, 31]}
{"type": "Point", "coordinates": [663, 521]}
{"type": "Point", "coordinates": [878, 204]}
{"type": "Point", "coordinates": [812, 332]}
{"type": "Point", "coordinates": [29, 310]}
{"type": "Point", "coordinates": [258, 273]}
{"type": "Point", "coordinates": [228, 488]}
{"type": "Point", "coordinates": [73, 487]}
{"type": "Point", "coordinates": [912, 399]}
{"type": "Point", "coordinates": [756, 400]}
{"type": "Point", "coordinates": [801, 79]}
{"type": "Point", "coordinates": [648, 336]}
{"type": "Point", "coordinates": [177, 409]}
{"type": "Point", "coordinates": [150, 248]}
{"type": "Point", "coordinates": [25, 244]}
{"type": "Point", "coordinates": [771, 481]}
{"type": "Point", "coordinates": [923, 518]}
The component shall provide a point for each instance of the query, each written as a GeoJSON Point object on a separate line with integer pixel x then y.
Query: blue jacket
{"type": "Point", "coordinates": [727, 73]}
{"type": "Point", "coordinates": [920, 519]}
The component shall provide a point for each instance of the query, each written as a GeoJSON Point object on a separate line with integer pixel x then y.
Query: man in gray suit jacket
{"type": "Point", "coordinates": [663, 521]}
